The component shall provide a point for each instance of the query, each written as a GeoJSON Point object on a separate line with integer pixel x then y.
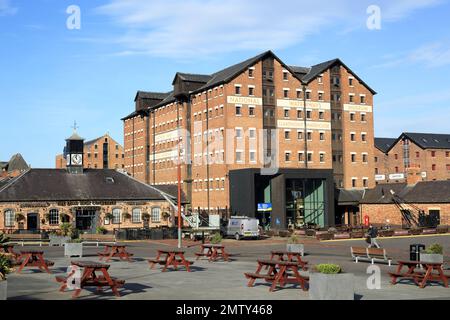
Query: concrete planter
{"type": "Point", "coordinates": [73, 249]}
{"type": "Point", "coordinates": [324, 235]}
{"type": "Point", "coordinates": [357, 234]}
{"type": "Point", "coordinates": [3, 290]}
{"type": "Point", "coordinates": [296, 247]}
{"type": "Point", "coordinates": [401, 233]}
{"type": "Point", "coordinates": [331, 286]}
{"type": "Point", "coordinates": [442, 229]}
{"type": "Point", "coordinates": [57, 240]}
{"type": "Point", "coordinates": [431, 258]}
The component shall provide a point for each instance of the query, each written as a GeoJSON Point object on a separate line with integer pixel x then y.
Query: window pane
{"type": "Point", "coordinates": [136, 216]}
{"type": "Point", "coordinates": [116, 216]}
{"type": "Point", "coordinates": [54, 217]}
{"type": "Point", "coordinates": [156, 215]}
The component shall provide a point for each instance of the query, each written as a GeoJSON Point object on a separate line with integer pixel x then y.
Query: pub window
{"type": "Point", "coordinates": [300, 156]}
{"type": "Point", "coordinates": [321, 115]}
{"type": "Point", "coordinates": [322, 136]}
{"type": "Point", "coordinates": [308, 114]}
{"type": "Point", "coordinates": [363, 99]}
{"type": "Point", "coordinates": [285, 75]}
{"type": "Point", "coordinates": [156, 215]}
{"type": "Point", "coordinates": [53, 217]}
{"type": "Point", "coordinates": [9, 218]}
{"type": "Point", "coordinates": [287, 156]}
{"type": "Point", "coordinates": [136, 216]}
{"type": "Point", "coordinates": [299, 94]}
{"type": "Point", "coordinates": [287, 135]}
{"type": "Point", "coordinates": [299, 135]}
{"type": "Point", "coordinates": [116, 216]}
{"type": "Point", "coordinates": [320, 96]}
{"type": "Point", "coordinates": [353, 183]}
{"type": "Point", "coordinates": [322, 157]}
{"type": "Point", "coordinates": [363, 117]}
{"type": "Point", "coordinates": [310, 157]}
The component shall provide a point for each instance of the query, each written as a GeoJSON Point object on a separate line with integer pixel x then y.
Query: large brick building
{"type": "Point", "coordinates": [100, 153]}
{"type": "Point", "coordinates": [315, 124]}
{"type": "Point", "coordinates": [429, 152]}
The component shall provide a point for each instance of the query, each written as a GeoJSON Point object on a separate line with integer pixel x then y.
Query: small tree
{"type": "Point", "coordinates": [5, 265]}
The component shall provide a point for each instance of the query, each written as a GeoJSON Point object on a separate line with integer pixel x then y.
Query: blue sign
{"type": "Point", "coordinates": [264, 207]}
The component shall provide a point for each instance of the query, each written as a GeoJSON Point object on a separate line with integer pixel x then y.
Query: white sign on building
{"type": "Point", "coordinates": [380, 177]}
{"type": "Point", "coordinates": [397, 176]}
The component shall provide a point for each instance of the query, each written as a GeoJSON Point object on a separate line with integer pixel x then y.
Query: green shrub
{"type": "Point", "coordinates": [3, 239]}
{"type": "Point", "coordinates": [74, 241]}
{"type": "Point", "coordinates": [434, 249]}
{"type": "Point", "coordinates": [328, 268]}
{"type": "Point", "coordinates": [101, 230]}
{"type": "Point", "coordinates": [5, 265]}
{"type": "Point", "coordinates": [66, 228]}
{"type": "Point", "coordinates": [216, 238]}
{"type": "Point", "coordinates": [294, 239]}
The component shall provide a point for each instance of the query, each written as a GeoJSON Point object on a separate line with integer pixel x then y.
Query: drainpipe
{"type": "Point", "coordinates": [305, 135]}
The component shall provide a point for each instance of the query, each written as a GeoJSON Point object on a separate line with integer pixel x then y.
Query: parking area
{"type": "Point", "coordinates": [223, 280]}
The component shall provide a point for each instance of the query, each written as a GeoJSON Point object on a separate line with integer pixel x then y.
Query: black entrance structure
{"type": "Point", "coordinates": [86, 218]}
{"type": "Point", "coordinates": [297, 196]}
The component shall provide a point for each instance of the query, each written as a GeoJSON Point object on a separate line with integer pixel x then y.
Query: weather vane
{"type": "Point", "coordinates": [75, 127]}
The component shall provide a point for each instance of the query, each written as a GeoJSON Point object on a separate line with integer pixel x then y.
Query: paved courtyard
{"type": "Point", "coordinates": [224, 280]}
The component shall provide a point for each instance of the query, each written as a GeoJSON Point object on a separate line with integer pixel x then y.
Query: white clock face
{"type": "Point", "coordinates": [77, 159]}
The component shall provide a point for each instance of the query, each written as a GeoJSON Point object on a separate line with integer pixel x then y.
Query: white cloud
{"type": "Point", "coordinates": [436, 54]}
{"type": "Point", "coordinates": [6, 8]}
{"type": "Point", "coordinates": [189, 28]}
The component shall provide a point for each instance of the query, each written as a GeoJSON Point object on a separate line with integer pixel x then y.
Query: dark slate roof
{"type": "Point", "coordinates": [348, 197]}
{"type": "Point", "coordinates": [422, 192]}
{"type": "Point", "coordinates": [318, 69]}
{"type": "Point", "coordinates": [429, 140]}
{"type": "Point", "coordinates": [229, 73]}
{"type": "Point", "coordinates": [384, 144]}
{"type": "Point", "coordinates": [92, 185]}
{"type": "Point", "coordinates": [75, 136]}
{"type": "Point", "coordinates": [17, 162]}
{"type": "Point", "coordinates": [151, 95]}
{"type": "Point", "coordinates": [302, 71]}
{"type": "Point", "coordinates": [169, 99]}
{"type": "Point", "coordinates": [200, 78]}
{"type": "Point", "coordinates": [4, 182]}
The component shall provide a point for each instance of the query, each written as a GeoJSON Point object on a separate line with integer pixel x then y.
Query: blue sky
{"type": "Point", "coordinates": [51, 75]}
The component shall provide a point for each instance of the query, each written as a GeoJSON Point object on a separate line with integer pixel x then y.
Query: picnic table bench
{"type": "Point", "coordinates": [89, 278]}
{"type": "Point", "coordinates": [213, 252]}
{"type": "Point", "coordinates": [279, 273]}
{"type": "Point", "coordinates": [23, 239]}
{"type": "Point", "coordinates": [97, 239]}
{"type": "Point", "coordinates": [173, 258]}
{"type": "Point", "coordinates": [33, 259]}
{"type": "Point", "coordinates": [115, 250]}
{"type": "Point", "coordinates": [370, 254]}
{"type": "Point", "coordinates": [420, 278]}
{"type": "Point", "coordinates": [290, 257]}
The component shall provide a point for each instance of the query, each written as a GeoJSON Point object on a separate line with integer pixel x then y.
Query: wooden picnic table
{"type": "Point", "coordinates": [115, 250]}
{"type": "Point", "coordinates": [89, 278]}
{"type": "Point", "coordinates": [279, 273]}
{"type": "Point", "coordinates": [421, 278]}
{"type": "Point", "coordinates": [213, 252]}
{"type": "Point", "coordinates": [169, 258]}
{"type": "Point", "coordinates": [290, 257]}
{"type": "Point", "coordinates": [33, 259]}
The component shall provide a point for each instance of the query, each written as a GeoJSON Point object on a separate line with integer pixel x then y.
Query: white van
{"type": "Point", "coordinates": [241, 227]}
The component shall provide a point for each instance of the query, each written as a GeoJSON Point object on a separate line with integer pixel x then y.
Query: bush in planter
{"type": "Point", "coordinates": [66, 229]}
{"type": "Point", "coordinates": [294, 245]}
{"type": "Point", "coordinates": [332, 230]}
{"type": "Point", "coordinates": [216, 238]}
{"type": "Point", "coordinates": [328, 268]}
{"type": "Point", "coordinates": [328, 282]}
{"type": "Point", "coordinates": [433, 254]}
{"type": "Point", "coordinates": [3, 239]}
{"type": "Point", "coordinates": [5, 265]}
{"type": "Point", "coordinates": [101, 230]}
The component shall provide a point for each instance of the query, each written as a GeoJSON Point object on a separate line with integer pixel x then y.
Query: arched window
{"type": "Point", "coordinates": [9, 218]}
{"type": "Point", "coordinates": [116, 216]}
{"type": "Point", "coordinates": [53, 218]}
{"type": "Point", "coordinates": [156, 214]}
{"type": "Point", "coordinates": [136, 216]}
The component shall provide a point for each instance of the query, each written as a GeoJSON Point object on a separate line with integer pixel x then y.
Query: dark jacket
{"type": "Point", "coordinates": [373, 232]}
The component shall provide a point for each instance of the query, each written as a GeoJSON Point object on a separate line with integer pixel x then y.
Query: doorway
{"type": "Point", "coordinates": [32, 221]}
{"type": "Point", "coordinates": [86, 219]}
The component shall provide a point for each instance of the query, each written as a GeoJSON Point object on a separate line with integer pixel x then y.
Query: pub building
{"type": "Point", "coordinates": [42, 199]}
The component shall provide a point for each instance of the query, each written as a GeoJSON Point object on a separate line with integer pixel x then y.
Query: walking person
{"type": "Point", "coordinates": [372, 234]}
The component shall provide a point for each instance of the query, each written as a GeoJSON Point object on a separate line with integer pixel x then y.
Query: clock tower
{"type": "Point", "coordinates": [74, 152]}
